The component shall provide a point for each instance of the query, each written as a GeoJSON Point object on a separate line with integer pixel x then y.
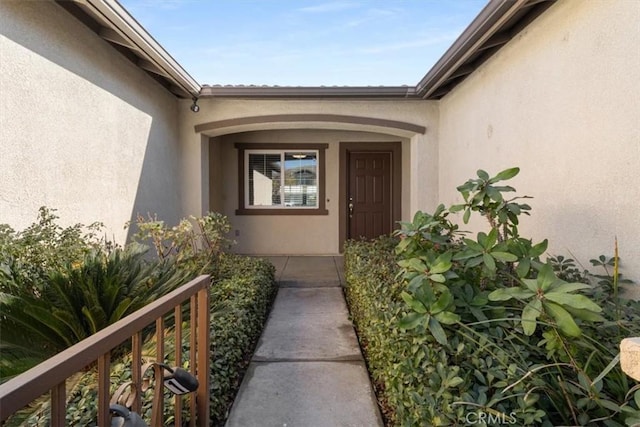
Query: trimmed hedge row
{"type": "Point", "coordinates": [241, 302]}
{"type": "Point", "coordinates": [374, 301]}
{"type": "Point", "coordinates": [241, 298]}
{"type": "Point", "coordinates": [419, 381]}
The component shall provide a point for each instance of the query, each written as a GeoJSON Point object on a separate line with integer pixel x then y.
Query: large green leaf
{"type": "Point", "coordinates": [466, 216]}
{"type": "Point", "coordinates": [442, 263]}
{"type": "Point", "coordinates": [504, 256]}
{"type": "Point", "coordinates": [414, 264]}
{"type": "Point", "coordinates": [447, 317]}
{"type": "Point", "coordinates": [531, 284]}
{"type": "Point", "coordinates": [530, 315]}
{"type": "Point", "coordinates": [474, 261]}
{"type": "Point", "coordinates": [523, 267]}
{"type": "Point", "coordinates": [563, 319]}
{"type": "Point", "coordinates": [546, 277]}
{"type": "Point", "coordinates": [505, 294]}
{"type": "Point", "coordinates": [505, 175]}
{"type": "Point", "coordinates": [573, 300]}
{"type": "Point", "coordinates": [492, 239]}
{"type": "Point", "coordinates": [443, 302]}
{"type": "Point", "coordinates": [587, 315]}
{"type": "Point", "coordinates": [437, 331]}
{"type": "Point", "coordinates": [416, 281]}
{"type": "Point", "coordinates": [473, 245]}
{"type": "Point", "coordinates": [568, 287]}
{"type": "Point", "coordinates": [494, 194]}
{"type": "Point", "coordinates": [415, 305]}
{"type": "Point", "coordinates": [489, 262]}
{"type": "Point", "coordinates": [456, 208]}
{"type": "Point", "coordinates": [411, 320]}
{"type": "Point", "coordinates": [438, 278]}
{"type": "Point", "coordinates": [483, 175]}
{"type": "Point", "coordinates": [539, 248]}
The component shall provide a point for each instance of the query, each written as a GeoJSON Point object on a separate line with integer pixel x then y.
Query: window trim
{"type": "Point", "coordinates": [245, 210]}
{"type": "Point", "coordinates": [282, 154]}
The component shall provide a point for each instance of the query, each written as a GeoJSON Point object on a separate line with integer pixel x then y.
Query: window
{"type": "Point", "coordinates": [281, 179]}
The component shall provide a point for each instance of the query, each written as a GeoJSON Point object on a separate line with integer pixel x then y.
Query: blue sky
{"type": "Point", "coordinates": [305, 42]}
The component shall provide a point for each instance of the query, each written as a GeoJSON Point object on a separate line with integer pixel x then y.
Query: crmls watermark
{"type": "Point", "coordinates": [481, 417]}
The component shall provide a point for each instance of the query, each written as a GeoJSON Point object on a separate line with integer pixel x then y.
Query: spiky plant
{"type": "Point", "coordinates": [78, 300]}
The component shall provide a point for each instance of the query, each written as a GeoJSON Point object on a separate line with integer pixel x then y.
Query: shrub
{"type": "Point", "coordinates": [194, 249]}
{"type": "Point", "coordinates": [240, 301]}
{"type": "Point", "coordinates": [78, 300]}
{"type": "Point", "coordinates": [58, 286]}
{"type": "Point", "coordinates": [373, 297]}
{"type": "Point", "coordinates": [486, 327]}
{"type": "Point", "coordinates": [44, 246]}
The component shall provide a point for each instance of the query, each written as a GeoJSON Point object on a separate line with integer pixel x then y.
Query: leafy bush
{"type": "Point", "coordinates": [240, 301]}
{"type": "Point", "coordinates": [489, 332]}
{"type": "Point", "coordinates": [78, 300]}
{"type": "Point", "coordinates": [44, 246]}
{"type": "Point", "coordinates": [194, 249]}
{"type": "Point", "coordinates": [375, 305]}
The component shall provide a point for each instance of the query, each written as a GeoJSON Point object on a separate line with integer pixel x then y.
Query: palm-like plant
{"type": "Point", "coordinates": [77, 301]}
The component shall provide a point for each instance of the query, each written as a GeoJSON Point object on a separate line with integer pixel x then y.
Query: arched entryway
{"type": "Point", "coordinates": [337, 139]}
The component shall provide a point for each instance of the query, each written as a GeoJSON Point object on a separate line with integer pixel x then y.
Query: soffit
{"type": "Point", "coordinates": [109, 20]}
{"type": "Point", "coordinates": [495, 26]}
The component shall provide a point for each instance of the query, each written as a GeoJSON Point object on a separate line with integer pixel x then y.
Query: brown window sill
{"type": "Point", "coordinates": [293, 212]}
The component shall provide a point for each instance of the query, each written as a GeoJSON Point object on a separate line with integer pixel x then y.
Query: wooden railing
{"type": "Point", "coordinates": [51, 375]}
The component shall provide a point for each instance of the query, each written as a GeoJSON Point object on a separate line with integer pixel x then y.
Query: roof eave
{"type": "Point", "coordinates": [497, 23]}
{"type": "Point", "coordinates": [114, 24]}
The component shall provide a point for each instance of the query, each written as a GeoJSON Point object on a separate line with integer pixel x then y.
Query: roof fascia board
{"type": "Point", "coordinates": [395, 92]}
{"type": "Point", "coordinates": [126, 31]}
{"type": "Point", "coordinates": [485, 25]}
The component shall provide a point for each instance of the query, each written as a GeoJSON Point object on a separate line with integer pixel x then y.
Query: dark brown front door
{"type": "Point", "coordinates": [369, 194]}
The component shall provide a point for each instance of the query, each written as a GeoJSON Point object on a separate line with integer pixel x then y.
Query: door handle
{"type": "Point", "coordinates": [350, 207]}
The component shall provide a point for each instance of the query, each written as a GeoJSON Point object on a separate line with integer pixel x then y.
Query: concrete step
{"type": "Point", "coordinates": [308, 271]}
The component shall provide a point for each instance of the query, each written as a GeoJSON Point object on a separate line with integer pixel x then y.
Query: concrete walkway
{"type": "Point", "coordinates": [307, 369]}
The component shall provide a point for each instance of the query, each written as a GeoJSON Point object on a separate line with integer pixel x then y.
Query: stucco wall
{"type": "Point", "coordinates": [561, 102]}
{"type": "Point", "coordinates": [419, 153]}
{"type": "Point", "coordinates": [285, 234]}
{"type": "Point", "coordinates": [81, 128]}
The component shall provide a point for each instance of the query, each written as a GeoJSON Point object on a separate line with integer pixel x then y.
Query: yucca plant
{"type": "Point", "coordinates": [78, 300]}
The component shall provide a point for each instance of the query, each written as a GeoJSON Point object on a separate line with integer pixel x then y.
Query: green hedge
{"type": "Point", "coordinates": [241, 298]}
{"type": "Point", "coordinates": [241, 301]}
{"type": "Point", "coordinates": [419, 381]}
{"type": "Point", "coordinates": [374, 301]}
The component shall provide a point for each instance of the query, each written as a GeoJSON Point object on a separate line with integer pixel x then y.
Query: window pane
{"type": "Point", "coordinates": [264, 179]}
{"type": "Point", "coordinates": [301, 179]}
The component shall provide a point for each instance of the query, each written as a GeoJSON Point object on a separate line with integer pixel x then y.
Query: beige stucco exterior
{"type": "Point", "coordinates": [561, 102]}
{"type": "Point", "coordinates": [288, 234]}
{"type": "Point", "coordinates": [277, 234]}
{"type": "Point", "coordinates": [85, 130]}
{"type": "Point", "coordinates": [82, 129]}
